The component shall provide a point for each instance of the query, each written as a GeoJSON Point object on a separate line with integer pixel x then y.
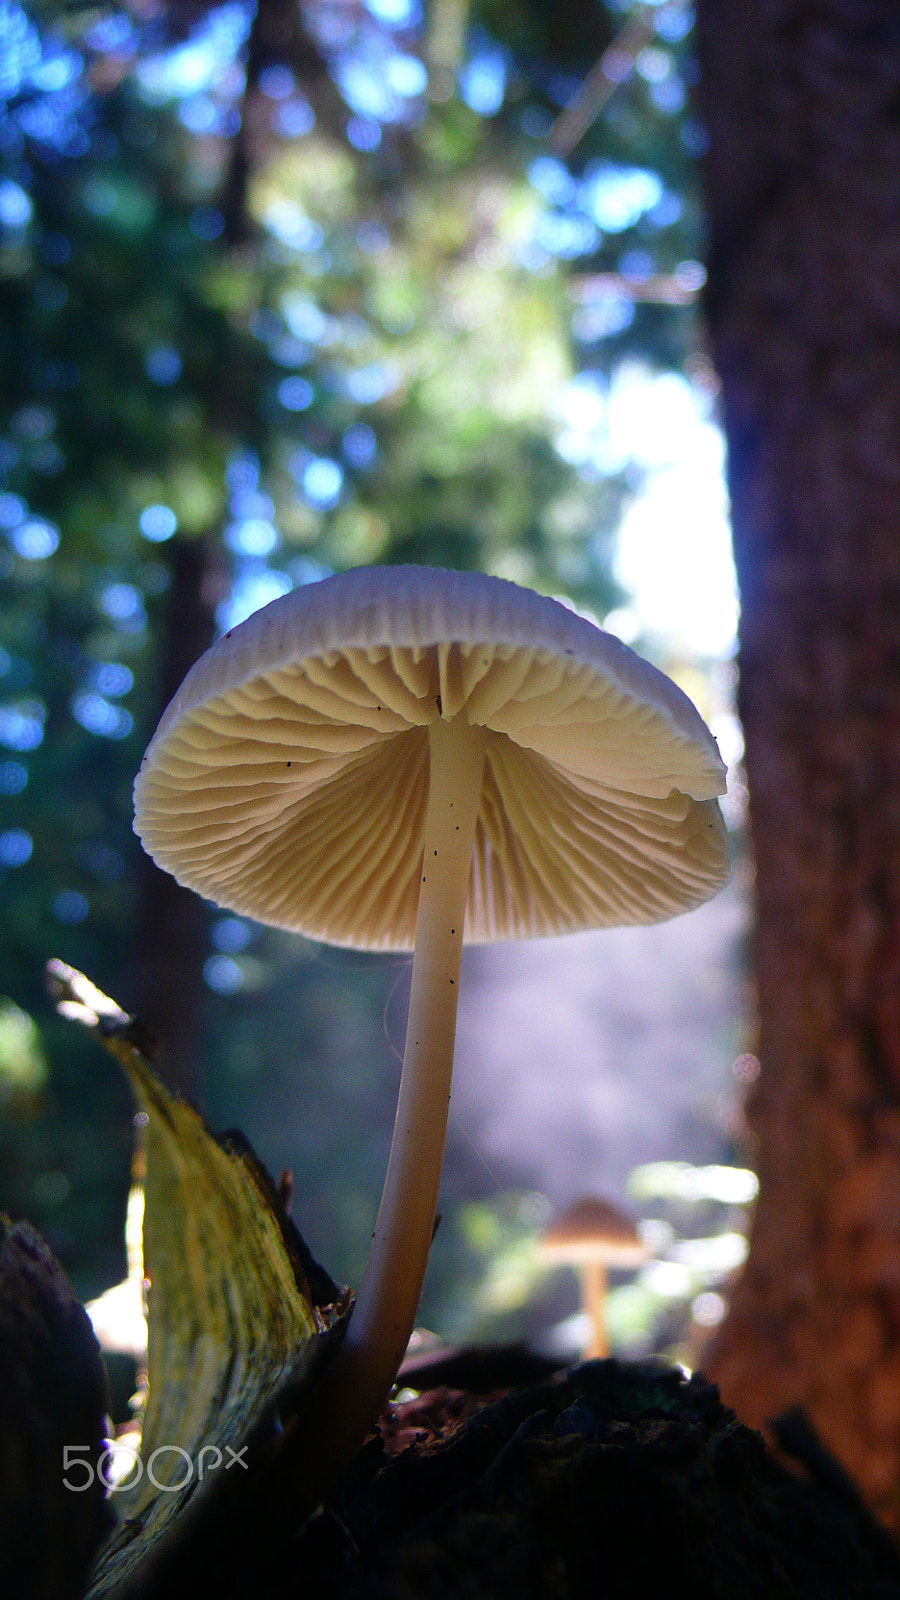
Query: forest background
{"type": "Point", "coordinates": [286, 290]}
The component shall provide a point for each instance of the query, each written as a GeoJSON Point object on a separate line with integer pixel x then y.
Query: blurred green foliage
{"type": "Point", "coordinates": [274, 303]}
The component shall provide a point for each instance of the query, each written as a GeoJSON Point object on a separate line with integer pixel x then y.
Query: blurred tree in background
{"type": "Point", "coordinates": [285, 289]}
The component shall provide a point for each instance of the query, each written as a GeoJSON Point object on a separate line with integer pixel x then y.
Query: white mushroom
{"type": "Point", "coordinates": [406, 758]}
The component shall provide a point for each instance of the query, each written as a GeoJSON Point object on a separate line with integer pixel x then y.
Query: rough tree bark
{"type": "Point", "coordinates": [801, 100]}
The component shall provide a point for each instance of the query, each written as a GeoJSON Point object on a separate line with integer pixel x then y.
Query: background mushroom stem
{"type": "Point", "coordinates": [593, 1296]}
{"type": "Point", "coordinates": [357, 1383]}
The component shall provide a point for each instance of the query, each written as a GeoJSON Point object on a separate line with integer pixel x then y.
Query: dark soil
{"type": "Point", "coordinates": [610, 1481]}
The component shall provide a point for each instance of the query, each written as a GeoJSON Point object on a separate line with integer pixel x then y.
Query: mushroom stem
{"type": "Point", "coordinates": [357, 1383]}
{"type": "Point", "coordinates": [593, 1296]}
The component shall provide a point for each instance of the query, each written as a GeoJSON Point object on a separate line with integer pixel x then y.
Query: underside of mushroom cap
{"type": "Point", "coordinates": [288, 778]}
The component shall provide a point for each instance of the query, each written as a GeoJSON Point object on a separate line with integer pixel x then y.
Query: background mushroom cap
{"type": "Point", "coordinates": [287, 779]}
{"type": "Point", "coordinates": [594, 1230]}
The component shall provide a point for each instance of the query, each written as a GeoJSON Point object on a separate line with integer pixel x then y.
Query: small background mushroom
{"type": "Point", "coordinates": [591, 1236]}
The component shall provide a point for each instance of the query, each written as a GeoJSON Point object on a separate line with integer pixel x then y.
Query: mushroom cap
{"type": "Point", "coordinates": [594, 1230]}
{"type": "Point", "coordinates": [287, 779]}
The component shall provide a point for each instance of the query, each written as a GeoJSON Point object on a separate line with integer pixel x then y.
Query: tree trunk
{"type": "Point", "coordinates": [802, 106]}
{"type": "Point", "coordinates": [170, 939]}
